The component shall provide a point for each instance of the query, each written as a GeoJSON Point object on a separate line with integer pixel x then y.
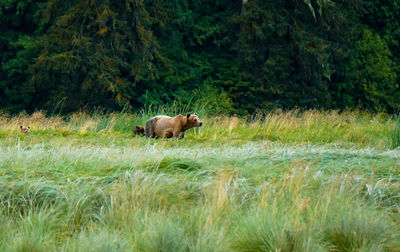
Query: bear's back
{"type": "Point", "coordinates": [162, 122]}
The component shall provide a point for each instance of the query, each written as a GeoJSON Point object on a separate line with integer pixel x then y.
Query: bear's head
{"type": "Point", "coordinates": [193, 121]}
{"type": "Point", "coordinates": [25, 129]}
{"type": "Point", "coordinates": [139, 131]}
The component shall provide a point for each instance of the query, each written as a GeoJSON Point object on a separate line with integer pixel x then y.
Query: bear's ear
{"type": "Point", "coordinates": [188, 115]}
{"type": "Point", "coordinates": [137, 127]}
{"type": "Point", "coordinates": [195, 113]}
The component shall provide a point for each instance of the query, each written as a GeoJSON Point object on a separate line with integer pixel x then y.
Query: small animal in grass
{"type": "Point", "coordinates": [139, 131]}
{"type": "Point", "coordinates": [25, 129]}
{"type": "Point", "coordinates": [167, 127]}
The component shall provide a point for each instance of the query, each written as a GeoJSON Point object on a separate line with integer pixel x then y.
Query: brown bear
{"type": "Point", "coordinates": [139, 131]}
{"type": "Point", "coordinates": [167, 127]}
{"type": "Point", "coordinates": [25, 129]}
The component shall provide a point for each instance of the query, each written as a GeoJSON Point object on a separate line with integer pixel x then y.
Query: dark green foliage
{"type": "Point", "coordinates": [96, 53]}
{"type": "Point", "coordinates": [394, 133]}
{"type": "Point", "coordinates": [383, 18]}
{"type": "Point", "coordinates": [17, 52]}
{"type": "Point", "coordinates": [371, 77]}
{"type": "Point", "coordinates": [219, 55]}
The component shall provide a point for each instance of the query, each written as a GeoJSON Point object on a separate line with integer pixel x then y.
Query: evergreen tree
{"type": "Point", "coordinates": [18, 23]}
{"type": "Point", "coordinates": [371, 81]}
{"type": "Point", "coordinates": [96, 53]}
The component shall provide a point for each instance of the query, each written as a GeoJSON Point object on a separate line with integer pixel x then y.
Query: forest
{"type": "Point", "coordinates": [227, 56]}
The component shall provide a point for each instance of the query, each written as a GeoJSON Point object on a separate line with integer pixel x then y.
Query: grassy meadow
{"type": "Point", "coordinates": [281, 181]}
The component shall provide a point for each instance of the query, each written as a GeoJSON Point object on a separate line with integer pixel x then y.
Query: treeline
{"type": "Point", "coordinates": [231, 56]}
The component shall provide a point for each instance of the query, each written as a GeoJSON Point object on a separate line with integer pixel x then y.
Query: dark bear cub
{"type": "Point", "coordinates": [139, 131]}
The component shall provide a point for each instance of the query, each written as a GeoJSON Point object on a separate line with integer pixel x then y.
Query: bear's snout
{"type": "Point", "coordinates": [200, 124]}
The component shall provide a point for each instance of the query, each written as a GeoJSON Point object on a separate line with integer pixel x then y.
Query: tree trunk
{"type": "Point", "coordinates": [243, 6]}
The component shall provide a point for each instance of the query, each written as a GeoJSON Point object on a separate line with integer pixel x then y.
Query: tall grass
{"type": "Point", "coordinates": [394, 132]}
{"type": "Point", "coordinates": [282, 181]}
{"type": "Point", "coordinates": [348, 128]}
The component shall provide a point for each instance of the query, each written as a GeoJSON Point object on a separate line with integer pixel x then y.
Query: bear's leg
{"type": "Point", "coordinates": [167, 134]}
{"type": "Point", "coordinates": [149, 128]}
{"type": "Point", "coordinates": [150, 134]}
{"type": "Point", "coordinates": [181, 135]}
{"type": "Point", "coordinates": [153, 132]}
{"type": "Point", "coordinates": [178, 134]}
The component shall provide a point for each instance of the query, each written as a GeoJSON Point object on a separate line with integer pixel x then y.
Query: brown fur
{"type": "Point", "coordinates": [167, 127]}
{"type": "Point", "coordinates": [25, 129]}
{"type": "Point", "coordinates": [139, 131]}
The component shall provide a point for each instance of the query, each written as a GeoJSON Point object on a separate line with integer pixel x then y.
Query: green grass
{"type": "Point", "coordinates": [283, 181]}
{"type": "Point", "coordinates": [394, 132]}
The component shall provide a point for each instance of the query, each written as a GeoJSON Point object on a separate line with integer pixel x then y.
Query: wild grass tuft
{"type": "Point", "coordinates": [96, 240]}
{"type": "Point", "coordinates": [172, 164]}
{"type": "Point", "coordinates": [394, 132]}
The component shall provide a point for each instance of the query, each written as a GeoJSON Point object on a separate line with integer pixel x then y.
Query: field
{"type": "Point", "coordinates": [282, 181]}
